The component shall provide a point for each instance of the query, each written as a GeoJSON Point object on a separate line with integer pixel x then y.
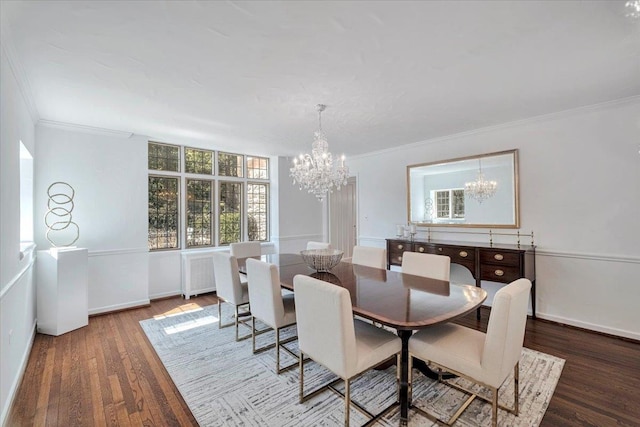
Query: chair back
{"type": "Point", "coordinates": [326, 331]}
{"type": "Point", "coordinates": [245, 249]}
{"type": "Point", "coordinates": [426, 265]}
{"type": "Point", "coordinates": [505, 332]}
{"type": "Point", "coordinates": [225, 273]}
{"type": "Point", "coordinates": [369, 256]}
{"type": "Point", "coordinates": [318, 245]}
{"type": "Point", "coordinates": [265, 296]}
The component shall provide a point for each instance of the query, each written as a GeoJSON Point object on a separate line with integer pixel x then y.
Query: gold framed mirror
{"type": "Point", "coordinates": [479, 191]}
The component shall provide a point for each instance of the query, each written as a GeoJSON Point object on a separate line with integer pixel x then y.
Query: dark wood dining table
{"type": "Point", "coordinates": [401, 301]}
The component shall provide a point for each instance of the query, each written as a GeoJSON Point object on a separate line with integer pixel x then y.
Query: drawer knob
{"type": "Point", "coordinates": [421, 249]}
{"type": "Point", "coordinates": [400, 259]}
{"type": "Point", "coordinates": [440, 249]}
{"type": "Point", "coordinates": [499, 273]}
{"type": "Point", "coordinates": [400, 246]}
{"type": "Point", "coordinates": [498, 257]}
{"type": "Point", "coordinates": [463, 254]}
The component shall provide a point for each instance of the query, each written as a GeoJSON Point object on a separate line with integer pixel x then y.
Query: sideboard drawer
{"type": "Point", "coordinates": [498, 257]}
{"type": "Point", "coordinates": [396, 249]}
{"type": "Point", "coordinates": [424, 248]}
{"type": "Point", "coordinates": [459, 255]}
{"type": "Point", "coordinates": [499, 273]}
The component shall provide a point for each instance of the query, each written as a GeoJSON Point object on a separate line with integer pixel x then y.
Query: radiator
{"type": "Point", "coordinates": [197, 273]}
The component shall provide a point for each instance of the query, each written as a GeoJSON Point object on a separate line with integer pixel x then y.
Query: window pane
{"type": "Point", "coordinates": [442, 204]}
{"type": "Point", "coordinates": [199, 213]}
{"type": "Point", "coordinates": [458, 203]}
{"type": "Point", "coordinates": [257, 168]}
{"type": "Point", "coordinates": [257, 211]}
{"type": "Point", "coordinates": [163, 212]}
{"type": "Point", "coordinates": [230, 212]}
{"type": "Point", "coordinates": [198, 161]}
{"type": "Point", "coordinates": [230, 164]}
{"type": "Point", "coordinates": [164, 157]}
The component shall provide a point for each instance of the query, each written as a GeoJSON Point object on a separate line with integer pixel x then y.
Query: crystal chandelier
{"type": "Point", "coordinates": [480, 189]}
{"type": "Point", "coordinates": [633, 9]}
{"type": "Point", "coordinates": [315, 172]}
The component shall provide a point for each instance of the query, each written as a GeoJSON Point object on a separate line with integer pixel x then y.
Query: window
{"type": "Point", "coordinates": [257, 168]}
{"type": "Point", "coordinates": [450, 204]}
{"type": "Point", "coordinates": [230, 164]}
{"type": "Point", "coordinates": [199, 205]}
{"type": "Point", "coordinates": [163, 212]}
{"type": "Point", "coordinates": [198, 161]}
{"type": "Point", "coordinates": [190, 198]}
{"type": "Point", "coordinates": [230, 209]}
{"type": "Point", "coordinates": [257, 209]}
{"type": "Point", "coordinates": [164, 157]}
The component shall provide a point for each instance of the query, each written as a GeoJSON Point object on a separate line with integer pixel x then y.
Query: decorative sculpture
{"type": "Point", "coordinates": [61, 213]}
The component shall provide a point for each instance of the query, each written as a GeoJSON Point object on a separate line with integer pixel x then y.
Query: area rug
{"type": "Point", "coordinates": [225, 384]}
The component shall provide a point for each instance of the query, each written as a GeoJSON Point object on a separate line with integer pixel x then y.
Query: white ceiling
{"type": "Point", "coordinates": [246, 76]}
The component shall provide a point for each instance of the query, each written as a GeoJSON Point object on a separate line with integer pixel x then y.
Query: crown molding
{"type": "Point", "coordinates": [6, 42]}
{"type": "Point", "coordinates": [530, 120]}
{"type": "Point", "coordinates": [84, 129]}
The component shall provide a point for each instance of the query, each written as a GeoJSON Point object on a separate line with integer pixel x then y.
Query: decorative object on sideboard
{"type": "Point", "coordinates": [58, 217]}
{"type": "Point", "coordinates": [428, 209]}
{"type": "Point", "coordinates": [315, 172]}
{"type": "Point", "coordinates": [480, 189]}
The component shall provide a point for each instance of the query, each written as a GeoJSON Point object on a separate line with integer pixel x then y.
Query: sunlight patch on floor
{"type": "Point", "coordinates": [185, 326]}
{"type": "Point", "coordinates": [184, 308]}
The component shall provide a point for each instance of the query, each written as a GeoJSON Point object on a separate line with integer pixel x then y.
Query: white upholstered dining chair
{"type": "Point", "coordinates": [245, 250]}
{"type": "Point", "coordinates": [329, 335]}
{"type": "Point", "coordinates": [369, 256]}
{"type": "Point", "coordinates": [486, 359]}
{"type": "Point", "coordinates": [230, 289]}
{"type": "Point", "coordinates": [318, 245]}
{"type": "Point", "coordinates": [426, 265]}
{"type": "Point", "coordinates": [271, 307]}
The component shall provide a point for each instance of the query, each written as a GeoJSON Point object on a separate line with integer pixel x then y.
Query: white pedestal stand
{"type": "Point", "coordinates": [62, 290]}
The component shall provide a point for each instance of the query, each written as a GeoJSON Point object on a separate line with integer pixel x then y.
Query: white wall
{"type": "Point", "coordinates": [301, 216]}
{"type": "Point", "coordinates": [579, 193]}
{"type": "Point", "coordinates": [17, 285]}
{"type": "Point", "coordinates": [109, 174]}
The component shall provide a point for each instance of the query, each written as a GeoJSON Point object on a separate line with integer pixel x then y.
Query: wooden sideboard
{"type": "Point", "coordinates": [492, 262]}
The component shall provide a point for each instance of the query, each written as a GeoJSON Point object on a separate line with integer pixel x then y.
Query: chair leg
{"type": "Point", "coordinates": [277, 350]}
{"type": "Point", "coordinates": [516, 388]}
{"type": "Point", "coordinates": [237, 313]}
{"type": "Point", "coordinates": [219, 313]}
{"type": "Point", "coordinates": [301, 366]}
{"type": "Point", "coordinates": [410, 387]}
{"type": "Point", "coordinates": [494, 407]}
{"type": "Point", "coordinates": [347, 401]}
{"type": "Point", "coordinates": [253, 334]}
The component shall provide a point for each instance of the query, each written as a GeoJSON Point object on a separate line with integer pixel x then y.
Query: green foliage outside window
{"type": "Point", "coordinates": [230, 164]}
{"type": "Point", "coordinates": [198, 161]}
{"type": "Point", "coordinates": [163, 157]}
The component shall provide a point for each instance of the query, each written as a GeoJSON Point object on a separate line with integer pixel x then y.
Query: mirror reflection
{"type": "Point", "coordinates": [475, 191]}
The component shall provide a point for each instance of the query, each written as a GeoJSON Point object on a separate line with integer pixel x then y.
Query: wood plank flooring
{"type": "Point", "coordinates": [107, 374]}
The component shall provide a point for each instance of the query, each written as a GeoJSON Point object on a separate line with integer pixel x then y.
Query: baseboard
{"type": "Point", "coordinates": [18, 379]}
{"type": "Point", "coordinates": [164, 295]}
{"type": "Point", "coordinates": [591, 327]}
{"type": "Point", "coordinates": [119, 307]}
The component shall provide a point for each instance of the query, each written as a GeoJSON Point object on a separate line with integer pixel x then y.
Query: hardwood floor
{"type": "Point", "coordinates": [108, 374]}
